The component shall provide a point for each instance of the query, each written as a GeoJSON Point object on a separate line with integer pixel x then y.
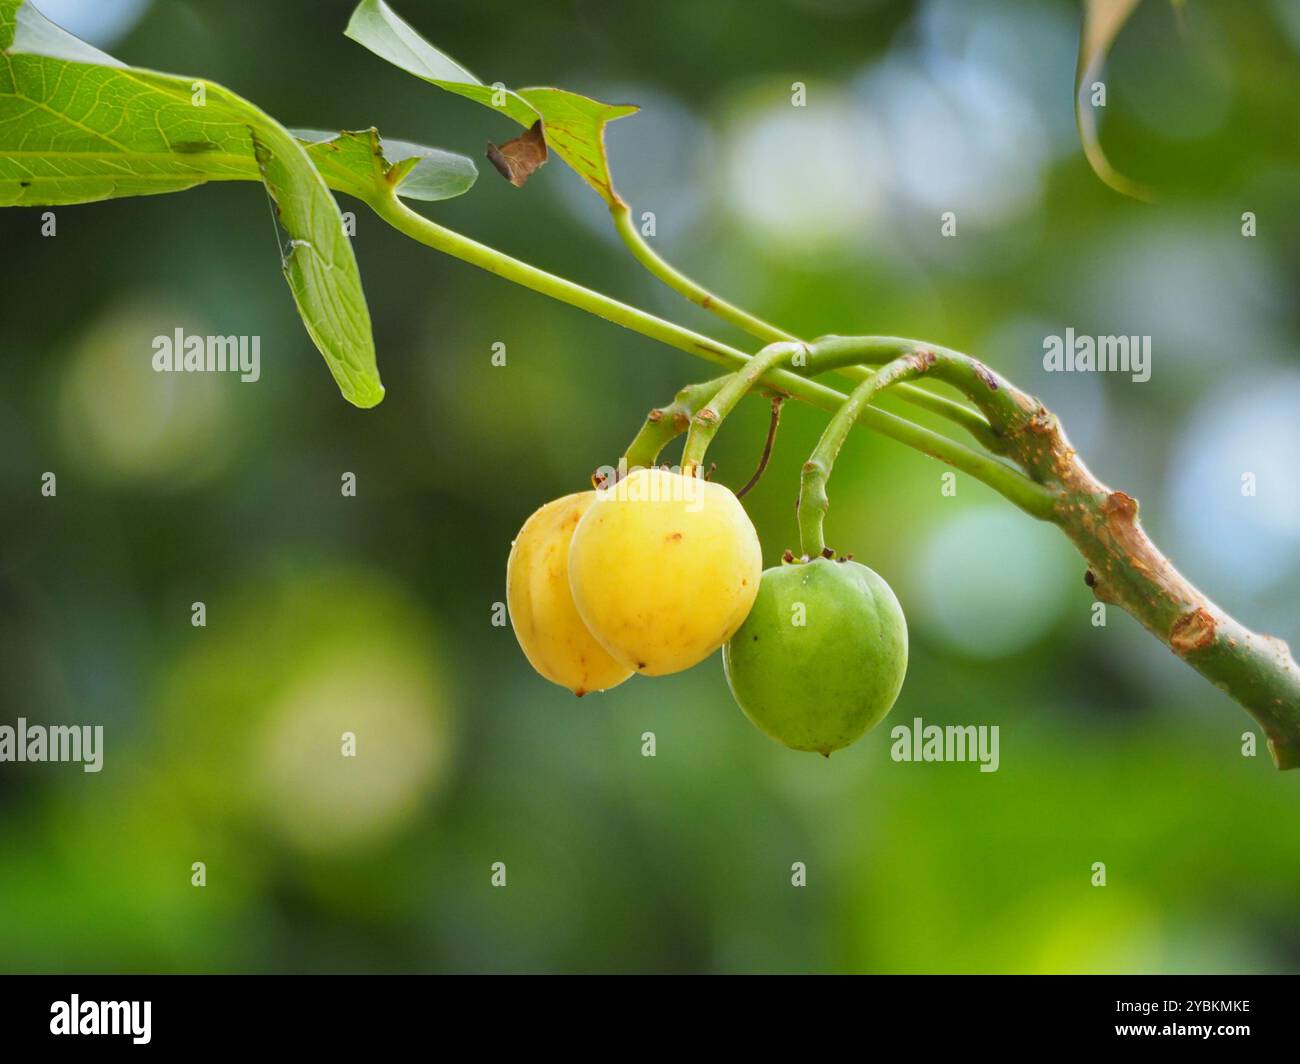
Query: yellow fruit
{"type": "Point", "coordinates": [546, 623]}
{"type": "Point", "coordinates": [664, 568]}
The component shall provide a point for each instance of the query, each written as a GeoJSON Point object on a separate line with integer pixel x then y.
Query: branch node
{"type": "Point", "coordinates": [922, 359]}
{"type": "Point", "coordinates": [1120, 506]}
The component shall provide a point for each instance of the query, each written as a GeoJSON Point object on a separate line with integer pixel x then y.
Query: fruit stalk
{"type": "Point", "coordinates": [708, 419]}
{"type": "Point", "coordinates": [813, 502]}
{"type": "Point", "coordinates": [665, 423]}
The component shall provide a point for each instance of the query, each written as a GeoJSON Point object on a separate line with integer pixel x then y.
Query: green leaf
{"type": "Point", "coordinates": [574, 125]}
{"type": "Point", "coordinates": [77, 126]}
{"type": "Point", "coordinates": [1102, 21]}
{"type": "Point", "coordinates": [59, 137]}
{"type": "Point", "coordinates": [361, 163]}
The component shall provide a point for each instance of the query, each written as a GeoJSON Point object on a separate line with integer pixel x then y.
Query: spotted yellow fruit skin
{"type": "Point", "coordinates": [664, 569]}
{"type": "Point", "coordinates": [551, 634]}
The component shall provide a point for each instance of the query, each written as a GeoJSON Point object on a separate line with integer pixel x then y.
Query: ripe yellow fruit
{"type": "Point", "coordinates": [546, 623]}
{"type": "Point", "coordinates": [664, 568]}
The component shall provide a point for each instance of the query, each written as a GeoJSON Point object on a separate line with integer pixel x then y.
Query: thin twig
{"type": "Point", "coordinates": [777, 400]}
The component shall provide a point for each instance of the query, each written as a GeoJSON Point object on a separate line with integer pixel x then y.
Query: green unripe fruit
{"type": "Point", "coordinates": [821, 657]}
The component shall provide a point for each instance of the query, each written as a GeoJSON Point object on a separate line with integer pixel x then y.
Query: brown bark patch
{"type": "Point", "coordinates": [922, 359]}
{"type": "Point", "coordinates": [986, 375]}
{"type": "Point", "coordinates": [1194, 630]}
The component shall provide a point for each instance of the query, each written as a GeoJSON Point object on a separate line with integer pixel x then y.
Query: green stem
{"type": "Point", "coordinates": [1008, 482]}
{"type": "Point", "coordinates": [968, 419]}
{"type": "Point", "coordinates": [708, 419]}
{"type": "Point", "coordinates": [963, 416]}
{"type": "Point", "coordinates": [813, 502]}
{"type": "Point", "coordinates": [665, 423]}
{"type": "Point", "coordinates": [1002, 403]}
{"type": "Point", "coordinates": [679, 282]}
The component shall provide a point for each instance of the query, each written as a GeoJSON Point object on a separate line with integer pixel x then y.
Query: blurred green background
{"type": "Point", "coordinates": [373, 614]}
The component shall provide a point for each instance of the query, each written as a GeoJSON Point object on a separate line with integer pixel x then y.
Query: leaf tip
{"type": "Point", "coordinates": [365, 396]}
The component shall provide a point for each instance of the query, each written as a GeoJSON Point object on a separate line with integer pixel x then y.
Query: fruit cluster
{"type": "Point", "coordinates": [655, 572]}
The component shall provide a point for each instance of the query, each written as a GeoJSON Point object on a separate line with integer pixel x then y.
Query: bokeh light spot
{"type": "Point", "coordinates": [992, 582]}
